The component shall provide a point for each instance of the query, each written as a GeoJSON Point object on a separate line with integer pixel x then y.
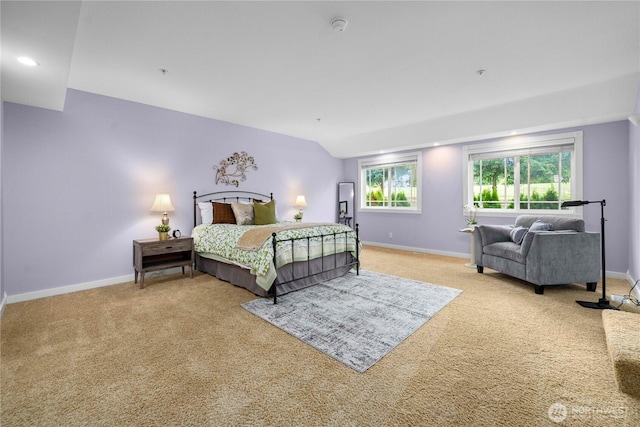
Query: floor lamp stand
{"type": "Point", "coordinates": [603, 303]}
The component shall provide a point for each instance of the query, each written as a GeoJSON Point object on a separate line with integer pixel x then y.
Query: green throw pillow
{"type": "Point", "coordinates": [265, 213]}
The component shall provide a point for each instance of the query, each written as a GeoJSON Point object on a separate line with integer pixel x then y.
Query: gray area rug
{"type": "Point", "coordinates": [355, 319]}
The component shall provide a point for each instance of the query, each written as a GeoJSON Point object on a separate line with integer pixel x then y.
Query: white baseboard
{"type": "Point", "coordinates": [612, 274]}
{"type": "Point", "coordinates": [82, 286]}
{"type": "Point", "coordinates": [68, 289]}
{"type": "Point", "coordinates": [3, 303]}
{"type": "Point", "coordinates": [616, 275]}
{"type": "Point", "coordinates": [419, 250]}
{"type": "Point", "coordinates": [632, 282]}
{"type": "Point", "coordinates": [130, 277]}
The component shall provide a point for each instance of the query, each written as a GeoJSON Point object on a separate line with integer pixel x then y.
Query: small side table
{"type": "Point", "coordinates": [154, 254]}
{"type": "Point", "coordinates": [471, 230]}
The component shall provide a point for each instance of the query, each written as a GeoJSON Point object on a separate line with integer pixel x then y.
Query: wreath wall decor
{"type": "Point", "coordinates": [233, 169]}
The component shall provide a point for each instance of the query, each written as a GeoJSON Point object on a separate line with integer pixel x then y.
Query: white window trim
{"type": "Point", "coordinates": [385, 160]}
{"type": "Point", "coordinates": [522, 143]}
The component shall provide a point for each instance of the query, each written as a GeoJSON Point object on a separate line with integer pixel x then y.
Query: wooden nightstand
{"type": "Point", "coordinates": [154, 254]}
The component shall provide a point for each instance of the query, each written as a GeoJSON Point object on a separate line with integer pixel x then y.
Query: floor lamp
{"type": "Point", "coordinates": [603, 303]}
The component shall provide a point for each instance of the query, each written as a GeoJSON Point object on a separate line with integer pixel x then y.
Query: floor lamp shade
{"type": "Point", "coordinates": [163, 204]}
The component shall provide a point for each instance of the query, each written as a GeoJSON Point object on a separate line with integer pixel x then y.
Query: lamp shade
{"type": "Point", "coordinates": [301, 202]}
{"type": "Point", "coordinates": [570, 203]}
{"type": "Point", "coordinates": [162, 203]}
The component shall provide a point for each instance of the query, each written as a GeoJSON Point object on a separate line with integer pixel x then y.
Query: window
{"type": "Point", "coordinates": [391, 183]}
{"type": "Point", "coordinates": [524, 175]}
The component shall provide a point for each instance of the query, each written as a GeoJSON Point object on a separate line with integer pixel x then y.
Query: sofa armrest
{"type": "Point", "coordinates": [555, 257]}
{"type": "Point", "coordinates": [487, 234]}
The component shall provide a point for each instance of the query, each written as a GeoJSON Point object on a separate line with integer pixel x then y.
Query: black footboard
{"type": "Point", "coordinates": [317, 270]}
{"type": "Point", "coordinates": [326, 266]}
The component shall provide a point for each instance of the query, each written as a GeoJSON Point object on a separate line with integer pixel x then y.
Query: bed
{"type": "Point", "coordinates": [262, 254]}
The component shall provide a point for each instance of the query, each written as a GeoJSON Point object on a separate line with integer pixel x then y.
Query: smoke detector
{"type": "Point", "coordinates": [339, 24]}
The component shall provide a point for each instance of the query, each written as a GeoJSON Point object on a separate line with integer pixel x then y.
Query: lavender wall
{"type": "Point", "coordinates": [79, 183]}
{"type": "Point", "coordinates": [634, 197]}
{"type": "Point", "coordinates": [77, 187]}
{"type": "Point", "coordinates": [436, 230]}
{"type": "Point", "coordinates": [2, 291]}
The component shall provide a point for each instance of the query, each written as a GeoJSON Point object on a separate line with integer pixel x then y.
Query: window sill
{"type": "Point", "coordinates": [390, 210]}
{"type": "Point", "coordinates": [498, 213]}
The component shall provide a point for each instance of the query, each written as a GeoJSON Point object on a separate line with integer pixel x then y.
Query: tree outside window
{"type": "Point", "coordinates": [535, 174]}
{"type": "Point", "coordinates": [534, 180]}
{"type": "Point", "coordinates": [391, 183]}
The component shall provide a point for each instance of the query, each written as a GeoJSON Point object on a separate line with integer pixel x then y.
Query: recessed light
{"type": "Point", "coordinates": [25, 60]}
{"type": "Point", "coordinates": [436, 144]}
{"type": "Point", "coordinates": [515, 132]}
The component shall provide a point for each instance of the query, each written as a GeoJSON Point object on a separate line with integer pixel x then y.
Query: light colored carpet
{"type": "Point", "coordinates": [622, 331]}
{"type": "Point", "coordinates": [184, 352]}
{"type": "Point", "coordinates": [356, 319]}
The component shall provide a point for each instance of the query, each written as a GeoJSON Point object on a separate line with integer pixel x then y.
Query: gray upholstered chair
{"type": "Point", "coordinates": [562, 254]}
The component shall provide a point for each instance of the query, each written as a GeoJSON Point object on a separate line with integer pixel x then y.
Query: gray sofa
{"type": "Point", "coordinates": [565, 254]}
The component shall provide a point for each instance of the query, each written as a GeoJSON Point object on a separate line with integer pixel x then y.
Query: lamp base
{"type": "Point", "coordinates": [602, 304]}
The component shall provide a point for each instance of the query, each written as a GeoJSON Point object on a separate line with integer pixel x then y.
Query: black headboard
{"type": "Point", "coordinates": [226, 197]}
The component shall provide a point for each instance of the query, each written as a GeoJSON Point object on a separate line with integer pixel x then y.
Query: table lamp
{"type": "Point", "coordinates": [300, 203]}
{"type": "Point", "coordinates": [163, 204]}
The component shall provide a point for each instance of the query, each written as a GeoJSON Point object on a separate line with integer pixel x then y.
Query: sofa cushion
{"type": "Point", "coordinates": [517, 234]}
{"type": "Point", "coordinates": [541, 226]}
{"type": "Point", "coordinates": [558, 222]}
{"type": "Point", "coordinates": [507, 250]}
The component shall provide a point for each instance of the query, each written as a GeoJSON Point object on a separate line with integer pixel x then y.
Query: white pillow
{"type": "Point", "coordinates": [206, 212]}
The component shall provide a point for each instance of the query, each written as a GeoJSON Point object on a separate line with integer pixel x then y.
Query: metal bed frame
{"type": "Point", "coordinates": [238, 196]}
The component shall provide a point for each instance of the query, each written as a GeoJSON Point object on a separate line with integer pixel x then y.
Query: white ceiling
{"type": "Point", "coordinates": [402, 74]}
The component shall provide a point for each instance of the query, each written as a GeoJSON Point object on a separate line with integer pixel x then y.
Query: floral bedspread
{"type": "Point", "coordinates": [218, 241]}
